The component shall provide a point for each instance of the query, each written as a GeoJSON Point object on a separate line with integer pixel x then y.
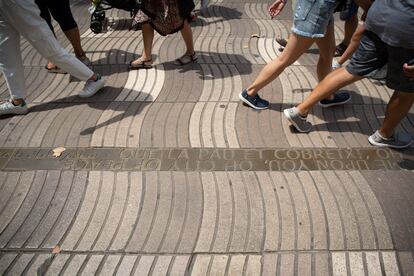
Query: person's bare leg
{"type": "Point", "coordinates": [350, 26]}
{"type": "Point", "coordinates": [326, 47]}
{"type": "Point", "coordinates": [329, 85]}
{"type": "Point", "coordinates": [353, 45]}
{"type": "Point", "coordinates": [148, 37]}
{"type": "Point", "coordinates": [296, 46]}
{"type": "Point", "coordinates": [397, 108]}
{"type": "Point", "coordinates": [187, 35]}
{"type": "Point", "coordinates": [74, 38]}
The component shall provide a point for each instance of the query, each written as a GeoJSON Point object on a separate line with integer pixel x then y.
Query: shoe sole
{"type": "Point", "coordinates": [15, 113]}
{"type": "Point", "coordinates": [88, 96]}
{"type": "Point", "coordinates": [334, 104]}
{"type": "Point", "coordinates": [250, 104]}
{"type": "Point", "coordinates": [287, 115]}
{"type": "Point", "coordinates": [372, 142]}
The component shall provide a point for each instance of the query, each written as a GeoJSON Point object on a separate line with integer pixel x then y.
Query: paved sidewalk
{"type": "Point", "coordinates": [165, 172]}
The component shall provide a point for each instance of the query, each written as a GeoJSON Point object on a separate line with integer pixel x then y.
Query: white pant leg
{"type": "Point", "coordinates": [24, 16]}
{"type": "Point", "coordinates": [11, 59]}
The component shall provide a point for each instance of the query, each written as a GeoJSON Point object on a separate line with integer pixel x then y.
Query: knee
{"type": "Point", "coordinates": [326, 56]}
{"type": "Point", "coordinates": [404, 97]}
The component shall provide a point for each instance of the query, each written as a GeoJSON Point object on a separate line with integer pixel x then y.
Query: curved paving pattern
{"type": "Point", "coordinates": [101, 222]}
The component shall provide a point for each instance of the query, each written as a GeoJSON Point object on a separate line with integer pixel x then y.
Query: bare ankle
{"type": "Point", "coordinates": [251, 92]}
{"type": "Point", "coordinates": [385, 133]}
{"type": "Point", "coordinates": [302, 112]}
{"type": "Point", "coordinates": [17, 101]}
{"type": "Point", "coordinates": [94, 77]}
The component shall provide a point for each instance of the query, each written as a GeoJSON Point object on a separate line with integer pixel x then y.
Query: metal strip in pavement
{"type": "Point", "coordinates": [207, 159]}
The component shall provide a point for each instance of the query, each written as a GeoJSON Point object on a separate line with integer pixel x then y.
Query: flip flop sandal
{"type": "Point", "coordinates": [340, 49]}
{"type": "Point", "coordinates": [143, 64]}
{"type": "Point", "coordinates": [55, 70]}
{"type": "Point", "coordinates": [186, 59]}
{"type": "Point", "coordinates": [282, 42]}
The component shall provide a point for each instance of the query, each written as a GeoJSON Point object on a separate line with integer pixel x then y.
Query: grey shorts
{"type": "Point", "coordinates": [312, 17]}
{"type": "Point", "coordinates": [372, 54]}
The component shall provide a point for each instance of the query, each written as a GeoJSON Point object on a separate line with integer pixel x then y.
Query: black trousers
{"type": "Point", "coordinates": [59, 10]}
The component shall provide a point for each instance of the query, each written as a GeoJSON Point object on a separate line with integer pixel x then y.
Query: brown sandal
{"type": "Point", "coordinates": [186, 59]}
{"type": "Point", "coordinates": [143, 64]}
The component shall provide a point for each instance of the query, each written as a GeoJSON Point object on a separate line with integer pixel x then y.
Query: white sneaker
{"type": "Point", "coordinates": [91, 87]}
{"type": "Point", "coordinates": [8, 108]}
{"type": "Point", "coordinates": [335, 64]}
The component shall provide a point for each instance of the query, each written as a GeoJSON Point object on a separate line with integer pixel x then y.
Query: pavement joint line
{"type": "Point", "coordinates": [232, 253]}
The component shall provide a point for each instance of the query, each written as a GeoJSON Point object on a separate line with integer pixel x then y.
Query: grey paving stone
{"type": "Point", "coordinates": [39, 265]}
{"type": "Point", "coordinates": [126, 265]}
{"type": "Point", "coordinates": [54, 211]}
{"type": "Point", "coordinates": [406, 260]}
{"type": "Point", "coordinates": [342, 221]}
{"type": "Point", "coordinates": [100, 212]}
{"type": "Point", "coordinates": [162, 265]}
{"type": "Point", "coordinates": [91, 264]}
{"type": "Point", "coordinates": [397, 215]}
{"type": "Point", "coordinates": [144, 265]}
{"type": "Point", "coordinates": [16, 220]}
{"type": "Point", "coordinates": [72, 238]}
{"type": "Point", "coordinates": [143, 224]}
{"type": "Point", "coordinates": [287, 264]}
{"type": "Point", "coordinates": [20, 264]}
{"type": "Point", "coordinates": [57, 265]}
{"type": "Point", "coordinates": [73, 265]}
{"type": "Point", "coordinates": [269, 266]}
{"type": "Point", "coordinates": [109, 265]}
{"type": "Point", "coordinates": [5, 261]}
{"type": "Point", "coordinates": [179, 265]}
{"type": "Point", "coordinates": [68, 213]}
{"type": "Point", "coordinates": [114, 215]}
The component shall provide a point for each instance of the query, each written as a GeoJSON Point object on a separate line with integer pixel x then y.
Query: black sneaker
{"type": "Point", "coordinates": [253, 101]}
{"type": "Point", "coordinates": [340, 98]}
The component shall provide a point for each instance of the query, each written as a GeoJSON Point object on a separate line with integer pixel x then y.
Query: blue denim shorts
{"type": "Point", "coordinates": [312, 17]}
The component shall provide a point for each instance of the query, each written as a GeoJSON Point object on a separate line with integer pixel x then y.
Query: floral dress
{"type": "Point", "coordinates": [165, 16]}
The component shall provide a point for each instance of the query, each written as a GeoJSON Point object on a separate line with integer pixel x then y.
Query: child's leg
{"type": "Point", "coordinates": [296, 46]}
{"type": "Point", "coordinates": [326, 47]}
{"type": "Point", "coordinates": [329, 85]}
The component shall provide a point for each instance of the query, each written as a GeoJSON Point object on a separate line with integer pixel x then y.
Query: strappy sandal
{"type": "Point", "coordinates": [340, 49]}
{"type": "Point", "coordinates": [55, 70]}
{"type": "Point", "coordinates": [142, 64]}
{"type": "Point", "coordinates": [186, 59]}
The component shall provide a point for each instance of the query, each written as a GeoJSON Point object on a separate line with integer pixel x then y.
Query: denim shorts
{"type": "Point", "coordinates": [312, 17]}
{"type": "Point", "coordinates": [372, 54]}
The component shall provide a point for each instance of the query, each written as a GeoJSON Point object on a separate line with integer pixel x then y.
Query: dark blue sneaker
{"type": "Point", "coordinates": [253, 101]}
{"type": "Point", "coordinates": [340, 98]}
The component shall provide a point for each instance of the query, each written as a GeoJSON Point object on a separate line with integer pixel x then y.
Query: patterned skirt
{"type": "Point", "coordinates": [165, 16]}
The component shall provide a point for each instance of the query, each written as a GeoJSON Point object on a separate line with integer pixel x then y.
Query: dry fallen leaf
{"type": "Point", "coordinates": [254, 35]}
{"type": "Point", "coordinates": [58, 151]}
{"type": "Point", "coordinates": [56, 249]}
